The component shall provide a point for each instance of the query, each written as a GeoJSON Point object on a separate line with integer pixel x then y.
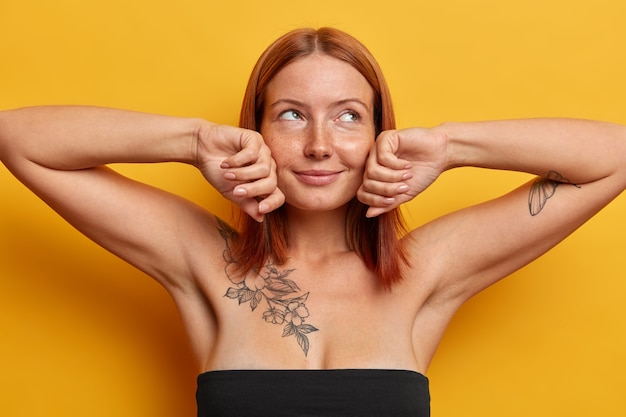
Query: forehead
{"type": "Point", "coordinates": [319, 77]}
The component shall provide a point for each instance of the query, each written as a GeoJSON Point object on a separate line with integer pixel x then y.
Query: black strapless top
{"type": "Point", "coordinates": [313, 393]}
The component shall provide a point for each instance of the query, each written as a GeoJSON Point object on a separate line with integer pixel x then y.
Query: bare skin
{"type": "Point", "coordinates": [315, 152]}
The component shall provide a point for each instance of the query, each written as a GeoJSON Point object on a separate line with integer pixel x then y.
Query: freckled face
{"type": "Point", "coordinates": [318, 123]}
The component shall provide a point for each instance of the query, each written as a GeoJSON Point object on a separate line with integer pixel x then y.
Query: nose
{"type": "Point", "coordinates": [319, 143]}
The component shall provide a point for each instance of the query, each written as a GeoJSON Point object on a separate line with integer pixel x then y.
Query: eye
{"type": "Point", "coordinates": [350, 116]}
{"type": "Point", "coordinates": [290, 115]}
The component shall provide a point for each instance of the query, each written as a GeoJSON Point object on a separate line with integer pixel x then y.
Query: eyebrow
{"type": "Point", "coordinates": [302, 104]}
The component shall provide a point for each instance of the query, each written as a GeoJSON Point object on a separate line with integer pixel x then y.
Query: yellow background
{"type": "Point", "coordinates": [83, 334]}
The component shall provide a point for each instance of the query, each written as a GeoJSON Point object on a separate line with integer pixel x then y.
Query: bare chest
{"type": "Point", "coordinates": [311, 318]}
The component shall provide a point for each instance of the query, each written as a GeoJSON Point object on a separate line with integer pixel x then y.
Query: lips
{"type": "Point", "coordinates": [317, 177]}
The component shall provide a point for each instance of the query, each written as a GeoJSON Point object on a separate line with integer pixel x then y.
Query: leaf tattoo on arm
{"type": "Point", "coordinates": [543, 189]}
{"type": "Point", "coordinates": [271, 287]}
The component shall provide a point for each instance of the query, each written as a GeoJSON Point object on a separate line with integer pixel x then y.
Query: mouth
{"type": "Point", "coordinates": [317, 177]}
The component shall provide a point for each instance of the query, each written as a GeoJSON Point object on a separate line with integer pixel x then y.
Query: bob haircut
{"type": "Point", "coordinates": [375, 240]}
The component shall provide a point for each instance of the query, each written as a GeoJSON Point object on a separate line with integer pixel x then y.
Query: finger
{"type": "Point", "coordinates": [388, 205]}
{"type": "Point", "coordinates": [374, 199]}
{"type": "Point", "coordinates": [249, 173]}
{"type": "Point", "coordinates": [257, 208]}
{"type": "Point", "coordinates": [251, 207]}
{"type": "Point", "coordinates": [271, 202]}
{"type": "Point", "coordinates": [380, 203]}
{"type": "Point", "coordinates": [390, 160]}
{"type": "Point", "coordinates": [387, 145]}
{"type": "Point", "coordinates": [375, 171]}
{"type": "Point", "coordinates": [249, 148]}
{"type": "Point", "coordinates": [384, 174]}
{"type": "Point", "coordinates": [259, 178]}
{"type": "Point", "coordinates": [375, 211]}
{"type": "Point", "coordinates": [245, 157]}
{"type": "Point", "coordinates": [385, 189]}
{"type": "Point", "coordinates": [260, 188]}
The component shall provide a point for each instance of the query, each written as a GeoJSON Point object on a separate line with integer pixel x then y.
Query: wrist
{"type": "Point", "coordinates": [462, 144]}
{"type": "Point", "coordinates": [444, 133]}
{"type": "Point", "coordinates": [202, 141]}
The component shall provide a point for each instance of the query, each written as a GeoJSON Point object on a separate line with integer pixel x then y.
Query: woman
{"type": "Point", "coordinates": [315, 298]}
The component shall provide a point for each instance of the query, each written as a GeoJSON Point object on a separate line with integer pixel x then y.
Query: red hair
{"type": "Point", "coordinates": [375, 240]}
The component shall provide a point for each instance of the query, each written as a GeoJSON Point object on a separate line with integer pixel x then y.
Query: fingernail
{"type": "Point", "coordinates": [263, 207]}
{"type": "Point", "coordinates": [389, 200]}
{"type": "Point", "coordinates": [371, 213]}
{"type": "Point", "coordinates": [224, 165]}
{"type": "Point", "coordinates": [403, 188]}
{"type": "Point", "coordinates": [239, 191]}
{"type": "Point", "coordinates": [230, 176]}
{"type": "Point", "coordinates": [407, 176]}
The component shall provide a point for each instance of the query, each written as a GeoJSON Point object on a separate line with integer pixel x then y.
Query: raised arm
{"type": "Point", "coordinates": [60, 153]}
{"type": "Point", "coordinates": [582, 151]}
{"type": "Point", "coordinates": [581, 164]}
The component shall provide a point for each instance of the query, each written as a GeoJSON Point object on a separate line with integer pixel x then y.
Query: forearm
{"type": "Point", "coordinates": [82, 137]}
{"type": "Point", "coordinates": [579, 150]}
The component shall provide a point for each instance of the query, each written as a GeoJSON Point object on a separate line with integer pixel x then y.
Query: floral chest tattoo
{"type": "Point", "coordinates": [269, 288]}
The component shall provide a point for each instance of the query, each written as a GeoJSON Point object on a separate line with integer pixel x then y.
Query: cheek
{"type": "Point", "coordinates": [272, 141]}
{"type": "Point", "coordinates": [283, 149]}
{"type": "Point", "coordinates": [356, 152]}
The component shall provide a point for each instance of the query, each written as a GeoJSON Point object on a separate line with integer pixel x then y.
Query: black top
{"type": "Point", "coordinates": [313, 393]}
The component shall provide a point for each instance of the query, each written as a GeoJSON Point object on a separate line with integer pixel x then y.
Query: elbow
{"type": "Point", "coordinates": [5, 136]}
{"type": "Point", "coordinates": [13, 147]}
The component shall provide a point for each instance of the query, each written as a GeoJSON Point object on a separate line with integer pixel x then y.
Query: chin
{"type": "Point", "coordinates": [318, 205]}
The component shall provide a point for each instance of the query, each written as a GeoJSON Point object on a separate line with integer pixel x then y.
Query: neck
{"type": "Point", "coordinates": [317, 233]}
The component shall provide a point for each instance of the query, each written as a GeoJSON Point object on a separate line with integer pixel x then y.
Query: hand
{"type": "Point", "coordinates": [401, 164]}
{"type": "Point", "coordinates": [240, 166]}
